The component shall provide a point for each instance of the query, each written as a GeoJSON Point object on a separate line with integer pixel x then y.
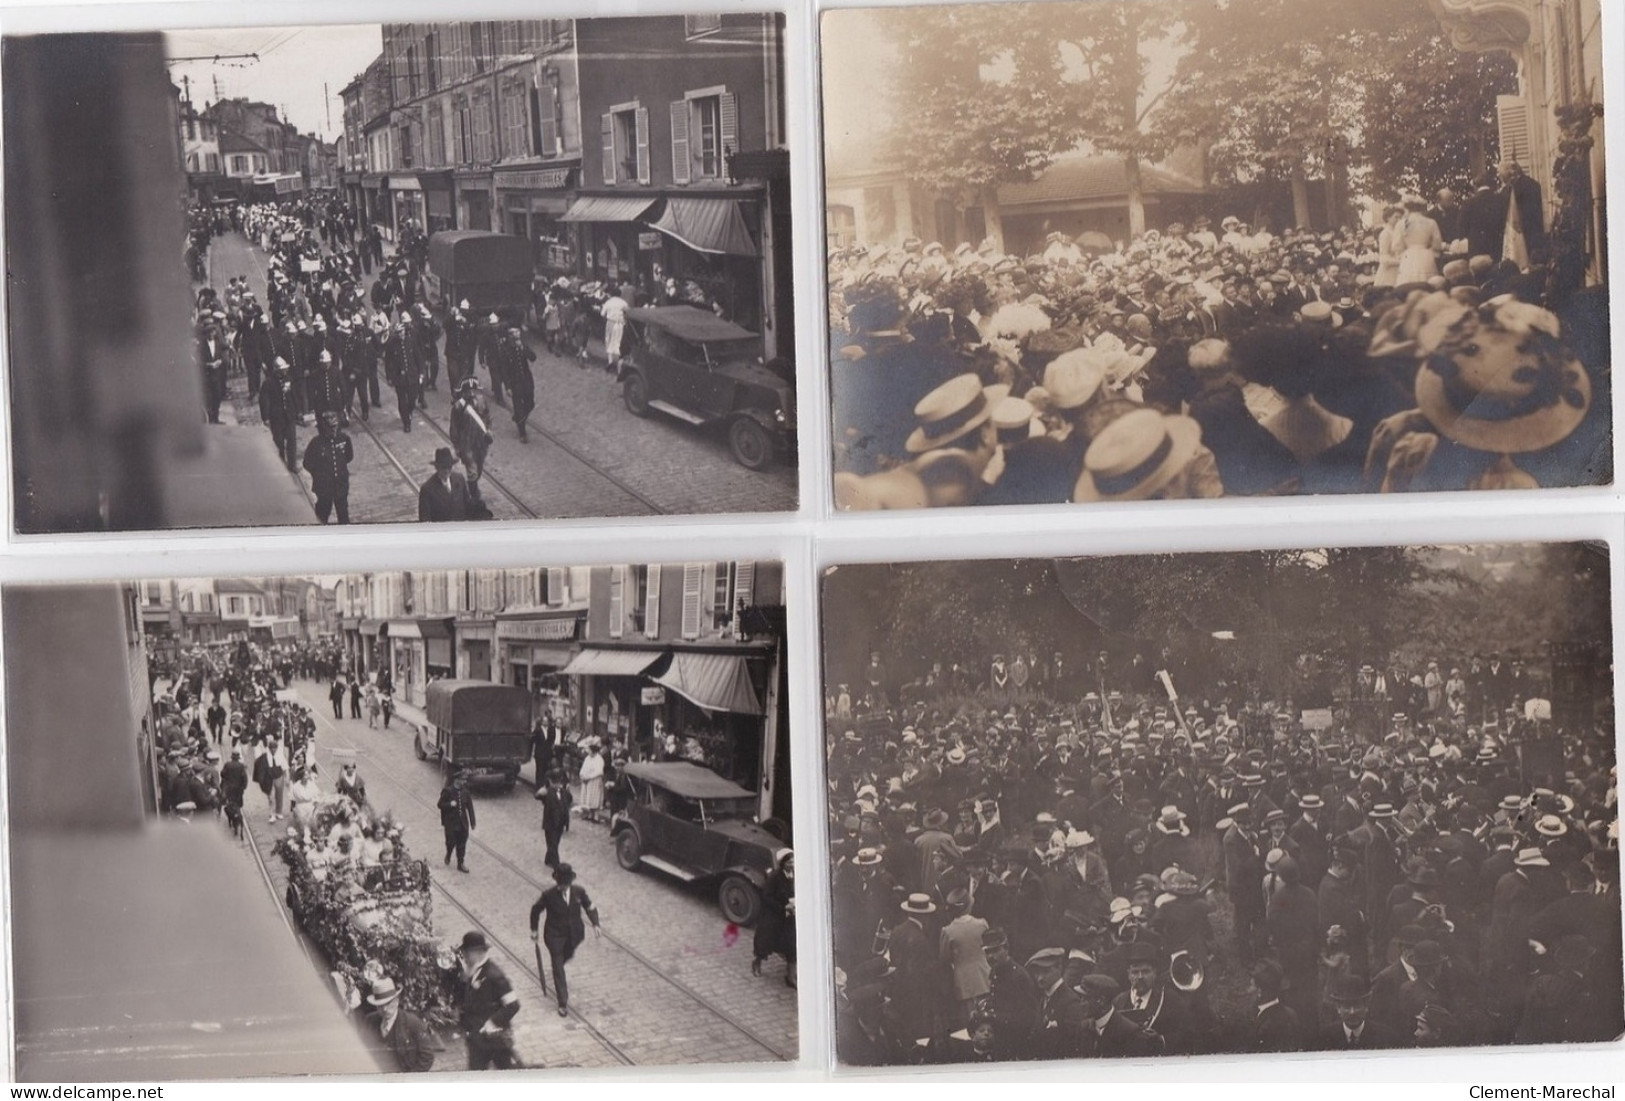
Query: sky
{"type": "Point", "coordinates": [294, 64]}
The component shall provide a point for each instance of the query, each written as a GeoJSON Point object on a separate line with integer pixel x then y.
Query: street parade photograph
{"type": "Point", "coordinates": [401, 821]}
{"type": "Point", "coordinates": [399, 272]}
{"type": "Point", "coordinates": [1140, 250]}
{"type": "Point", "coordinates": [1324, 800]}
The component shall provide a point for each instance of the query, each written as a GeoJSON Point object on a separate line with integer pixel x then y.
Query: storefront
{"type": "Point", "coordinates": [710, 242]}
{"type": "Point", "coordinates": [706, 705]}
{"type": "Point", "coordinates": [369, 652]}
{"type": "Point", "coordinates": [406, 200]}
{"type": "Point", "coordinates": [613, 241]}
{"type": "Point", "coordinates": [533, 202]}
{"type": "Point", "coordinates": [375, 201]}
{"type": "Point", "coordinates": [474, 198]}
{"type": "Point", "coordinates": [439, 210]}
{"type": "Point", "coordinates": [476, 639]}
{"type": "Point", "coordinates": [420, 650]}
{"type": "Point", "coordinates": [534, 647]}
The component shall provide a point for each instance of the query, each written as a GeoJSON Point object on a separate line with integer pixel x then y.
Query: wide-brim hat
{"type": "Point", "coordinates": [1320, 313]}
{"type": "Point", "coordinates": [1531, 858]}
{"type": "Point", "coordinates": [1513, 402]}
{"type": "Point", "coordinates": [956, 408]}
{"type": "Point", "coordinates": [1311, 802]}
{"type": "Point", "coordinates": [384, 991]}
{"type": "Point", "coordinates": [444, 459]}
{"type": "Point", "coordinates": [1137, 455]}
{"type": "Point", "coordinates": [1550, 825]}
{"type": "Point", "coordinates": [935, 820]}
{"type": "Point", "coordinates": [867, 858]}
{"type": "Point", "coordinates": [1073, 378]}
{"type": "Point", "coordinates": [1382, 810]}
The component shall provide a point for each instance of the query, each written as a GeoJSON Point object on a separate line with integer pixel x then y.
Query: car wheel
{"type": "Point", "coordinates": [739, 901]}
{"type": "Point", "coordinates": [417, 747]}
{"type": "Point", "coordinates": [636, 392]}
{"type": "Point", "coordinates": [628, 853]}
{"type": "Point", "coordinates": [751, 446]}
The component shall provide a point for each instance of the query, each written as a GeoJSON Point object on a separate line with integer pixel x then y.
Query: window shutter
{"type": "Point", "coordinates": [651, 607]}
{"type": "Point", "coordinates": [1512, 120]}
{"type": "Point", "coordinates": [609, 147]}
{"type": "Point", "coordinates": [744, 585]}
{"type": "Point", "coordinates": [617, 601]}
{"type": "Point", "coordinates": [643, 145]}
{"type": "Point", "coordinates": [541, 121]}
{"type": "Point", "coordinates": [555, 585]}
{"type": "Point", "coordinates": [679, 141]}
{"type": "Point", "coordinates": [693, 598]}
{"type": "Point", "coordinates": [728, 113]}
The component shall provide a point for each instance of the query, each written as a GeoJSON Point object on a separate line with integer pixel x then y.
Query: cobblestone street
{"type": "Point", "coordinates": [587, 455]}
{"type": "Point", "coordinates": [668, 983]}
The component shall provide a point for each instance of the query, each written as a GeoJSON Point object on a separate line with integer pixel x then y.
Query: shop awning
{"type": "Point", "coordinates": [606, 208]}
{"type": "Point", "coordinates": [371, 626]}
{"type": "Point", "coordinates": [434, 628]}
{"type": "Point", "coordinates": [611, 663]}
{"type": "Point", "coordinates": [707, 225]}
{"type": "Point", "coordinates": [717, 682]}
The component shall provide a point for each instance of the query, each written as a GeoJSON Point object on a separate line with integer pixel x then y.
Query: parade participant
{"type": "Point", "coordinates": [613, 310]}
{"type": "Point", "coordinates": [327, 388]}
{"type": "Point", "coordinates": [488, 1007]}
{"type": "Point", "coordinates": [302, 797]}
{"type": "Point", "coordinates": [445, 496]}
{"type": "Point", "coordinates": [350, 784]}
{"type": "Point", "coordinates": [399, 364]}
{"type": "Point", "coordinates": [233, 785]}
{"type": "Point", "coordinates": [457, 817]}
{"type": "Point", "coordinates": [426, 330]}
{"type": "Point", "coordinates": [487, 336]}
{"type": "Point", "coordinates": [212, 353]}
{"type": "Point", "coordinates": [327, 461]}
{"type": "Point", "coordinates": [513, 364]}
{"type": "Point", "coordinates": [591, 776]}
{"type": "Point", "coordinates": [556, 802]}
{"type": "Point", "coordinates": [460, 345]}
{"type": "Point", "coordinates": [276, 777]}
{"type": "Point", "coordinates": [411, 1042]}
{"type": "Point", "coordinates": [335, 696]}
{"type": "Point", "coordinates": [564, 904]}
{"type": "Point", "coordinates": [470, 431]}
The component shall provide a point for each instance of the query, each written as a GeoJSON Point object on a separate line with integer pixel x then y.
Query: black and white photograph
{"type": "Point", "coordinates": [1165, 249]}
{"type": "Point", "coordinates": [1326, 800]}
{"type": "Point", "coordinates": [399, 272]}
{"type": "Point", "coordinates": [399, 822]}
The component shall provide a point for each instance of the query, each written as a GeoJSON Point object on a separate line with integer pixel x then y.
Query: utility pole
{"type": "Point", "coordinates": [327, 106]}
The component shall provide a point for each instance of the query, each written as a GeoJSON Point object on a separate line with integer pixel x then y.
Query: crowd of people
{"type": "Point", "coordinates": [1049, 873]}
{"type": "Point", "coordinates": [1420, 352]}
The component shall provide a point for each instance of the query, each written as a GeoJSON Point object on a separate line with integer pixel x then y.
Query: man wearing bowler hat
{"type": "Point", "coordinates": [564, 904]}
{"type": "Point", "coordinates": [443, 497]}
{"type": "Point", "coordinates": [487, 1008]}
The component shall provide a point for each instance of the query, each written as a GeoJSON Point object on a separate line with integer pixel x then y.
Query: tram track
{"type": "Point", "coordinates": [683, 988]}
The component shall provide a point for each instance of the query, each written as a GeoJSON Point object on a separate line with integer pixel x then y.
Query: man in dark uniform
{"type": "Point", "coordinates": [212, 354]}
{"type": "Point", "coordinates": [459, 345]}
{"type": "Point", "coordinates": [327, 387]}
{"type": "Point", "coordinates": [488, 1007]}
{"type": "Point", "coordinates": [513, 365]}
{"type": "Point", "coordinates": [426, 330]}
{"type": "Point", "coordinates": [556, 803]}
{"type": "Point", "coordinates": [457, 818]}
{"type": "Point", "coordinates": [398, 371]}
{"type": "Point", "coordinates": [443, 497]}
{"type": "Point", "coordinates": [564, 904]}
{"type": "Point", "coordinates": [1013, 998]}
{"type": "Point", "coordinates": [327, 461]}
{"type": "Point", "coordinates": [278, 411]}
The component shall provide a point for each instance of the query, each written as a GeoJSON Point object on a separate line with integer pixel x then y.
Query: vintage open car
{"type": "Point", "coordinates": [692, 365]}
{"type": "Point", "coordinates": [689, 822]}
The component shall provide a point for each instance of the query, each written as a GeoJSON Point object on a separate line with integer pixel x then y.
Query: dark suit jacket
{"type": "Point", "coordinates": [437, 504]}
{"type": "Point", "coordinates": [1483, 222]}
{"type": "Point", "coordinates": [1531, 210]}
{"type": "Point", "coordinates": [456, 809]}
{"type": "Point", "coordinates": [1373, 1036]}
{"type": "Point", "coordinates": [556, 810]}
{"type": "Point", "coordinates": [412, 1043]}
{"type": "Point", "coordinates": [1276, 1029]}
{"type": "Point", "coordinates": [564, 927]}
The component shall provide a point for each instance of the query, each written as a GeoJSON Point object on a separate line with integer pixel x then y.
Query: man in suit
{"type": "Point", "coordinates": [556, 802]}
{"type": "Point", "coordinates": [564, 904]}
{"type": "Point", "coordinates": [1275, 1027]}
{"type": "Point", "coordinates": [487, 1007]}
{"type": "Point", "coordinates": [457, 818]}
{"type": "Point", "coordinates": [410, 1041]}
{"type": "Point", "coordinates": [443, 497]}
{"type": "Point", "coordinates": [212, 354]}
{"type": "Point", "coordinates": [544, 739]}
{"type": "Point", "coordinates": [1109, 1034]}
{"type": "Point", "coordinates": [1354, 1030]}
{"type": "Point", "coordinates": [1521, 197]}
{"type": "Point", "coordinates": [1483, 220]}
{"type": "Point", "coordinates": [1244, 871]}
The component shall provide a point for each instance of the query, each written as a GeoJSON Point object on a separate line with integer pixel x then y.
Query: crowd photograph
{"type": "Point", "coordinates": [1151, 249]}
{"type": "Point", "coordinates": [1287, 801]}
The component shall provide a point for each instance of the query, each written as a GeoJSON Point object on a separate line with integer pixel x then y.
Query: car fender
{"type": "Point", "coordinates": [621, 824]}
{"type": "Point", "coordinates": [757, 877]}
{"type": "Point", "coordinates": [761, 417]}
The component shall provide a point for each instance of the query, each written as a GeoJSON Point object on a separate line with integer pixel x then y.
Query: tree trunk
{"type": "Point", "coordinates": [1136, 195]}
{"type": "Point", "coordinates": [1300, 198]}
{"type": "Point", "coordinates": [990, 213]}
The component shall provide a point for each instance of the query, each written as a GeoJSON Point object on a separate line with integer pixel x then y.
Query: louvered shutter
{"type": "Point", "coordinates": [728, 112]}
{"type": "Point", "coordinates": [617, 601]}
{"type": "Point", "coordinates": [679, 141]}
{"type": "Point", "coordinates": [547, 139]}
{"type": "Point", "coordinates": [643, 145]}
{"type": "Point", "coordinates": [693, 598]}
{"type": "Point", "coordinates": [651, 607]}
{"type": "Point", "coordinates": [609, 148]}
{"type": "Point", "coordinates": [744, 584]}
{"type": "Point", "coordinates": [555, 585]}
{"type": "Point", "coordinates": [1512, 120]}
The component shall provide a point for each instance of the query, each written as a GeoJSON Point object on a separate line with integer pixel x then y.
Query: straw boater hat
{"type": "Point", "coordinates": [1172, 821]}
{"type": "Point", "coordinates": [1073, 378]}
{"type": "Point", "coordinates": [1014, 420]}
{"type": "Point", "coordinates": [1320, 313]}
{"type": "Point", "coordinates": [1136, 455]}
{"type": "Point", "coordinates": [954, 409]}
{"type": "Point", "coordinates": [918, 904]}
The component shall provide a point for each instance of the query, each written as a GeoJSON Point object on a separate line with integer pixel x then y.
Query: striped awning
{"type": "Point", "coordinates": [707, 225]}
{"type": "Point", "coordinates": [717, 682]}
{"type": "Point", "coordinates": [608, 208]}
{"type": "Point", "coordinates": [611, 663]}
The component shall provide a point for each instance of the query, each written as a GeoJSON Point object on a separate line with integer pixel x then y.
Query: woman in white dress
{"type": "Point", "coordinates": [592, 783]}
{"type": "Point", "coordinates": [1421, 240]}
{"type": "Point", "coordinates": [1389, 246]}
